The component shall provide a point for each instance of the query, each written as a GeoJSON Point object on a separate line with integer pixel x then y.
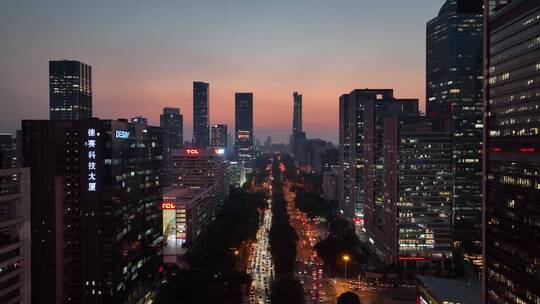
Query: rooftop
{"type": "Point", "coordinates": [183, 194]}
{"type": "Point", "coordinates": [457, 291]}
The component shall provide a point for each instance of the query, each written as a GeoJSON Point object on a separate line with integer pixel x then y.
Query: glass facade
{"type": "Point", "coordinates": [201, 114]}
{"type": "Point", "coordinates": [243, 123]}
{"type": "Point", "coordinates": [512, 214]}
{"type": "Point", "coordinates": [346, 205]}
{"type": "Point", "coordinates": [417, 191]}
{"type": "Point", "coordinates": [70, 90]}
{"type": "Point", "coordinates": [454, 89]}
{"type": "Point", "coordinates": [172, 125]}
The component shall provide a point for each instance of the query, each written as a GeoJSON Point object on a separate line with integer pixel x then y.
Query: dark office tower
{"type": "Point", "coordinates": [417, 193]}
{"type": "Point", "coordinates": [346, 203]}
{"type": "Point", "coordinates": [512, 154]}
{"type": "Point", "coordinates": [96, 225]}
{"type": "Point", "coordinates": [454, 89]}
{"type": "Point", "coordinates": [243, 123]}
{"type": "Point", "coordinates": [297, 114]}
{"type": "Point", "coordinates": [219, 136]}
{"type": "Point", "coordinates": [297, 133]}
{"type": "Point", "coordinates": [377, 107]}
{"type": "Point", "coordinates": [352, 145]}
{"type": "Point", "coordinates": [172, 125]}
{"type": "Point", "coordinates": [201, 114]}
{"type": "Point", "coordinates": [70, 90]}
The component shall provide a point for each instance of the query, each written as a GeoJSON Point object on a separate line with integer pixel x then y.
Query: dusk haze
{"type": "Point", "coordinates": [145, 56]}
{"type": "Point", "coordinates": [270, 152]}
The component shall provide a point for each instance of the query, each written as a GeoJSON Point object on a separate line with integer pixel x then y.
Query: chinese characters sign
{"type": "Point", "coordinates": [91, 148]}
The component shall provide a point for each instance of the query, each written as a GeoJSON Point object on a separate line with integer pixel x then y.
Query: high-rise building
{"type": "Point", "coordinates": [417, 193]}
{"type": "Point", "coordinates": [15, 274]}
{"type": "Point", "coordinates": [309, 154]}
{"type": "Point", "coordinates": [352, 144]}
{"type": "Point", "coordinates": [297, 113]}
{"type": "Point", "coordinates": [297, 133]}
{"type": "Point", "coordinates": [172, 125]}
{"type": "Point", "coordinates": [70, 90]}
{"type": "Point", "coordinates": [512, 153]}
{"type": "Point", "coordinates": [219, 137]}
{"type": "Point", "coordinates": [96, 224]}
{"type": "Point", "coordinates": [243, 123]}
{"type": "Point", "coordinates": [454, 90]}
{"type": "Point", "coordinates": [375, 112]}
{"type": "Point", "coordinates": [200, 168]}
{"type": "Point", "coordinates": [201, 114]}
{"type": "Point", "coordinates": [187, 214]}
{"type": "Point", "coordinates": [346, 203]}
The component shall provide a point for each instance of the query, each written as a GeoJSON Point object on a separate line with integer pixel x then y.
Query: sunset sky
{"type": "Point", "coordinates": [146, 54]}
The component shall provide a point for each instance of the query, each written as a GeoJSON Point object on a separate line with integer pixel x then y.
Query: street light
{"type": "Point", "coordinates": [236, 253]}
{"type": "Point", "coordinates": [345, 260]}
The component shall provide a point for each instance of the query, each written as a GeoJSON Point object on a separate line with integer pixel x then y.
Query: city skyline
{"type": "Point", "coordinates": [402, 169]}
{"type": "Point", "coordinates": [154, 62]}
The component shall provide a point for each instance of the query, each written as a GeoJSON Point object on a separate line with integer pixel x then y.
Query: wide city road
{"type": "Point", "coordinates": [260, 265]}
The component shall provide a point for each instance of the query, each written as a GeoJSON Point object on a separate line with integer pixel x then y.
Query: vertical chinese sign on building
{"type": "Point", "coordinates": [91, 148]}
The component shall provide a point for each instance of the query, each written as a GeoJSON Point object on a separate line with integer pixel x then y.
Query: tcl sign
{"type": "Point", "coordinates": [168, 205]}
{"type": "Point", "coordinates": [192, 152]}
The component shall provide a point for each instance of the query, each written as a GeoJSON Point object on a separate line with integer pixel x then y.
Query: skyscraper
{"type": "Point", "coordinates": [377, 107]}
{"type": "Point", "coordinates": [512, 153]}
{"type": "Point", "coordinates": [352, 145]}
{"type": "Point", "coordinates": [417, 188]}
{"type": "Point", "coordinates": [297, 112]}
{"type": "Point", "coordinates": [96, 190]}
{"type": "Point", "coordinates": [70, 90]}
{"type": "Point", "coordinates": [454, 90]}
{"type": "Point", "coordinates": [309, 154]}
{"type": "Point", "coordinates": [243, 140]}
{"type": "Point", "coordinates": [200, 168]}
{"type": "Point", "coordinates": [201, 114]}
{"type": "Point", "coordinates": [172, 125]}
{"type": "Point", "coordinates": [297, 133]}
{"type": "Point", "coordinates": [346, 203]}
{"type": "Point", "coordinates": [219, 136]}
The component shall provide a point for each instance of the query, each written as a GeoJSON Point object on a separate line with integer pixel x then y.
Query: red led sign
{"type": "Point", "coordinates": [527, 150]}
{"type": "Point", "coordinates": [412, 258]}
{"type": "Point", "coordinates": [192, 152]}
{"type": "Point", "coordinates": [168, 206]}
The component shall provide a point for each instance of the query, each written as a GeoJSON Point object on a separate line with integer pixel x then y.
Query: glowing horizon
{"type": "Point", "coordinates": [142, 63]}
